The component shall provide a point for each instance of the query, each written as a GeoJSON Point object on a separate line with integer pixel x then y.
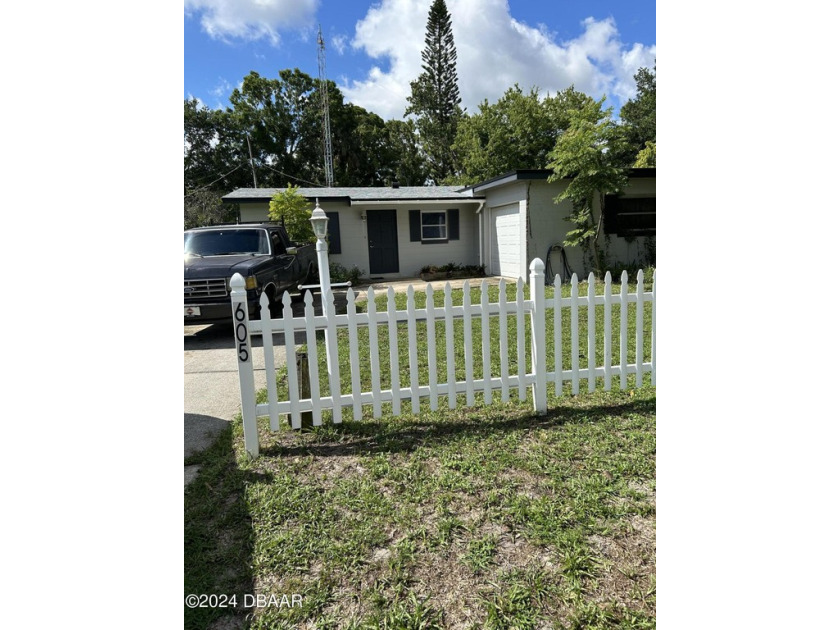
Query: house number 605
{"type": "Point", "coordinates": [241, 332]}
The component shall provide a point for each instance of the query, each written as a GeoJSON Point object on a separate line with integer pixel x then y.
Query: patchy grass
{"type": "Point", "coordinates": [482, 517]}
{"type": "Point", "coordinates": [486, 517]}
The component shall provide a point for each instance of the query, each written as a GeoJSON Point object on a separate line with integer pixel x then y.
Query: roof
{"type": "Point", "coordinates": [540, 174]}
{"type": "Point", "coordinates": [366, 193]}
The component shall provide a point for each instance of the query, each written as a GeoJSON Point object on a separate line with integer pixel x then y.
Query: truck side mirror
{"type": "Point", "coordinates": [291, 251]}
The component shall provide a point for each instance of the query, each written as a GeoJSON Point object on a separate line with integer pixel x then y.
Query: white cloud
{"type": "Point", "coordinates": [339, 43]}
{"type": "Point", "coordinates": [251, 19]}
{"type": "Point", "coordinates": [494, 52]}
{"type": "Point", "coordinates": [223, 88]}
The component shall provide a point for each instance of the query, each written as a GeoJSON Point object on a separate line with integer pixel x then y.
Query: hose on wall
{"type": "Point", "coordinates": [565, 272]}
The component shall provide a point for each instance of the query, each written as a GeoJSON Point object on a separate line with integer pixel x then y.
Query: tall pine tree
{"type": "Point", "coordinates": [434, 95]}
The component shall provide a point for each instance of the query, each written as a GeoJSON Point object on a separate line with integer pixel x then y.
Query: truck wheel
{"type": "Point", "coordinates": [275, 307]}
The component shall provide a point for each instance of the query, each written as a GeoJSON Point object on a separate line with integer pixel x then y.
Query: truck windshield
{"type": "Point", "coordinates": [226, 242]}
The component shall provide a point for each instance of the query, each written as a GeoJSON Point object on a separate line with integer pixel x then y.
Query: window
{"type": "Point", "coordinates": [226, 242]}
{"type": "Point", "coordinates": [630, 216]}
{"type": "Point", "coordinates": [433, 226]}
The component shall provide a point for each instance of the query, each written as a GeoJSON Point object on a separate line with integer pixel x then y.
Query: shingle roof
{"type": "Point", "coordinates": [368, 193]}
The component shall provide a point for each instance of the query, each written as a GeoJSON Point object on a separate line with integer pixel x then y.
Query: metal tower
{"type": "Point", "coordinates": [325, 104]}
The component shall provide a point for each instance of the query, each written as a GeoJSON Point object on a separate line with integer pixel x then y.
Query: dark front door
{"type": "Point", "coordinates": [382, 241]}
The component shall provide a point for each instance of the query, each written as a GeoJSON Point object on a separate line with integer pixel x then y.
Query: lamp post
{"type": "Point", "coordinates": [319, 222]}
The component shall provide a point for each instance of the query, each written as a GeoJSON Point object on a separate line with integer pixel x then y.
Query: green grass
{"type": "Point", "coordinates": [482, 517]}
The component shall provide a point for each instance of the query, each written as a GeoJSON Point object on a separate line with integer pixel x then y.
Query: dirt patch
{"type": "Point", "coordinates": [450, 587]}
{"type": "Point", "coordinates": [628, 566]}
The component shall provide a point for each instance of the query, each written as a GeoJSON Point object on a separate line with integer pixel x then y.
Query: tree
{"type": "Point", "coordinates": [435, 98]}
{"type": "Point", "coordinates": [205, 207]}
{"type": "Point", "coordinates": [638, 115]}
{"type": "Point", "coordinates": [213, 160]}
{"type": "Point", "coordinates": [292, 208]}
{"type": "Point", "coordinates": [359, 147]}
{"type": "Point", "coordinates": [280, 118]}
{"type": "Point", "coordinates": [646, 157]}
{"type": "Point", "coordinates": [516, 132]}
{"type": "Point", "coordinates": [404, 163]}
{"type": "Point", "coordinates": [586, 154]}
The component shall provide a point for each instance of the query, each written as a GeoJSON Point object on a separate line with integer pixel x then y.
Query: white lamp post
{"type": "Point", "coordinates": [319, 222]}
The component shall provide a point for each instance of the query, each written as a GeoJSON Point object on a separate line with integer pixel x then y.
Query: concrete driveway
{"type": "Point", "coordinates": [211, 383]}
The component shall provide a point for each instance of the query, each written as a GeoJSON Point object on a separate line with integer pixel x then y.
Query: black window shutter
{"type": "Point", "coordinates": [414, 225]}
{"type": "Point", "coordinates": [334, 233]}
{"type": "Point", "coordinates": [452, 219]}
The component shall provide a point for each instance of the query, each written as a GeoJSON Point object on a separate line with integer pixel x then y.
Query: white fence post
{"type": "Point", "coordinates": [590, 330]}
{"type": "Point", "coordinates": [332, 354]}
{"type": "Point", "coordinates": [575, 342]}
{"type": "Point", "coordinates": [640, 326]}
{"type": "Point", "coordinates": [312, 349]}
{"type": "Point", "coordinates": [431, 340]}
{"type": "Point", "coordinates": [396, 402]}
{"type": "Point", "coordinates": [520, 336]}
{"type": "Point", "coordinates": [239, 304]}
{"type": "Point", "coordinates": [373, 343]}
{"type": "Point", "coordinates": [353, 333]}
{"type": "Point", "coordinates": [291, 361]}
{"type": "Point", "coordinates": [504, 358]}
{"type": "Point", "coordinates": [538, 335]}
{"type": "Point", "coordinates": [608, 332]}
{"type": "Point", "coordinates": [468, 345]}
{"type": "Point", "coordinates": [653, 334]}
{"type": "Point", "coordinates": [268, 354]}
{"type": "Point", "coordinates": [413, 376]}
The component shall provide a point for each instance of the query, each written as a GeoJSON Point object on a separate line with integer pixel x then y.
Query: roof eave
{"type": "Point", "coordinates": [541, 174]}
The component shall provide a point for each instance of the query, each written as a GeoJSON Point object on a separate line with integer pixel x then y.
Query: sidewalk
{"type": "Point", "coordinates": [211, 384]}
{"type": "Point", "coordinates": [401, 285]}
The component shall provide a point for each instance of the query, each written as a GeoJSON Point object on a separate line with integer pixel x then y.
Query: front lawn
{"type": "Point", "coordinates": [485, 517]}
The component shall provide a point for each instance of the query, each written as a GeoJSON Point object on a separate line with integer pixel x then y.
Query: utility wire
{"type": "Point", "coordinates": [197, 190]}
{"type": "Point", "coordinates": [293, 177]}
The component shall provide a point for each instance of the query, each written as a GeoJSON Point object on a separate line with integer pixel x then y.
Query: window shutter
{"type": "Point", "coordinates": [333, 233]}
{"type": "Point", "coordinates": [452, 218]}
{"type": "Point", "coordinates": [414, 225]}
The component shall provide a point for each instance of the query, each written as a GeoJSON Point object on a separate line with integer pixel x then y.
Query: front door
{"type": "Point", "coordinates": [382, 241]}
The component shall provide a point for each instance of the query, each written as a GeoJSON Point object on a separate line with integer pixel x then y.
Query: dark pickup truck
{"type": "Point", "coordinates": [262, 252]}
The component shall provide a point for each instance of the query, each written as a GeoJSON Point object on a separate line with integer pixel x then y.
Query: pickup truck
{"type": "Point", "coordinates": [270, 262]}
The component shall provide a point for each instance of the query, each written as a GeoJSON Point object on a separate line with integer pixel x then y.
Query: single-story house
{"type": "Point", "coordinates": [502, 223]}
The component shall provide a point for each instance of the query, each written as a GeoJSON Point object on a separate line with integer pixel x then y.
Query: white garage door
{"type": "Point", "coordinates": [504, 243]}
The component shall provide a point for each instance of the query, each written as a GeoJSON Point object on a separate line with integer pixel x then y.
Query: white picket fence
{"type": "Point", "coordinates": [538, 378]}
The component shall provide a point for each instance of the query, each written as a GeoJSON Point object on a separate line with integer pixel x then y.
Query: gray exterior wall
{"type": "Point", "coordinates": [412, 255]}
{"type": "Point", "coordinates": [543, 224]}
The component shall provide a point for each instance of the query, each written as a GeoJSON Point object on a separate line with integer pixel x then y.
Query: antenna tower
{"type": "Point", "coordinates": [325, 105]}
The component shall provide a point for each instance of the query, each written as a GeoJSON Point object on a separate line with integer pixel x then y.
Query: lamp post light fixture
{"type": "Point", "coordinates": [319, 222]}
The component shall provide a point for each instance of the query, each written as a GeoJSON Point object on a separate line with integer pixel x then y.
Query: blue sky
{"type": "Point", "coordinates": [373, 49]}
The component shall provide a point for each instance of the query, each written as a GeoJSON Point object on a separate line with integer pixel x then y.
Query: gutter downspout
{"type": "Point", "coordinates": [480, 233]}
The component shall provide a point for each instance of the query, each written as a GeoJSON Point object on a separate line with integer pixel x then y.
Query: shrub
{"type": "Point", "coordinates": [340, 273]}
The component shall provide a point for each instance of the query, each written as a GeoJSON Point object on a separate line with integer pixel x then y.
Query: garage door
{"type": "Point", "coordinates": [504, 242]}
